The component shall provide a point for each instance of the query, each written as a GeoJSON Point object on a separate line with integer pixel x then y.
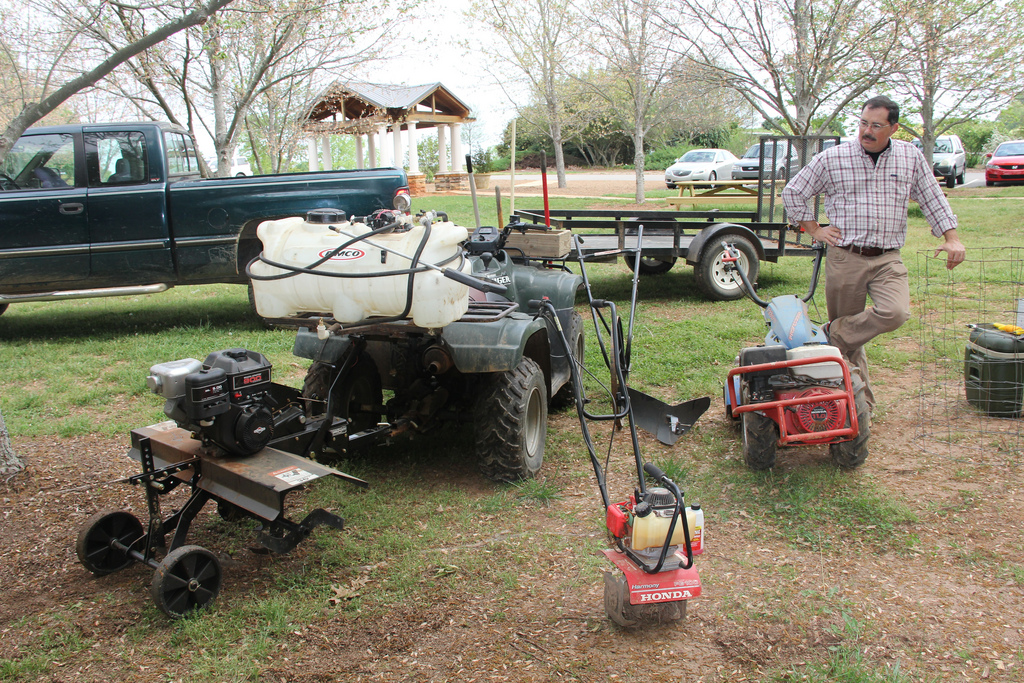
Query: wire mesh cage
{"type": "Point", "coordinates": [971, 355]}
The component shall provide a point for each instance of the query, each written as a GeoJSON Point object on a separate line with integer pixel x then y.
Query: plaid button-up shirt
{"type": "Point", "coordinates": [868, 201]}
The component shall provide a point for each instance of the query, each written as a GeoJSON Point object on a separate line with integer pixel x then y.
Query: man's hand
{"type": "Point", "coordinates": [956, 252]}
{"type": "Point", "coordinates": [829, 234]}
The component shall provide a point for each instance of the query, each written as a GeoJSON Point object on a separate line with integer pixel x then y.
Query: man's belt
{"type": "Point", "coordinates": [865, 251]}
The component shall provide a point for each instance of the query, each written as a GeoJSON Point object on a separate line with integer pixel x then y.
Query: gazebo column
{"type": "Point", "coordinates": [417, 180]}
{"type": "Point", "coordinates": [456, 129]}
{"type": "Point", "coordinates": [396, 144]}
{"type": "Point", "coordinates": [360, 160]}
{"type": "Point", "coordinates": [314, 154]}
{"type": "Point", "coordinates": [328, 157]}
{"type": "Point", "coordinates": [442, 151]}
{"type": "Point", "coordinates": [372, 139]}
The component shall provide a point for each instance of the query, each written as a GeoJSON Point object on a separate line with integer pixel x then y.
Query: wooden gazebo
{"type": "Point", "coordinates": [369, 110]}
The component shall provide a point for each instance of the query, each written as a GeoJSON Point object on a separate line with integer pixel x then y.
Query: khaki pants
{"type": "Point", "coordinates": [849, 280]}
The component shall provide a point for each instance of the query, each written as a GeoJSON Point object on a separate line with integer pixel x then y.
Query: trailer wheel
{"type": "Point", "coordinates": [852, 454]}
{"type": "Point", "coordinates": [94, 545]}
{"type": "Point", "coordinates": [188, 579]}
{"type": "Point", "coordinates": [357, 397]}
{"type": "Point", "coordinates": [618, 609]}
{"type": "Point", "coordinates": [511, 422]}
{"type": "Point", "coordinates": [720, 284]}
{"type": "Point", "coordinates": [577, 345]}
{"type": "Point", "coordinates": [648, 265]}
{"type": "Point", "coordinates": [759, 440]}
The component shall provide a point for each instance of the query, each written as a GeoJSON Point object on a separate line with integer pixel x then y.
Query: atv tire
{"type": "Point", "coordinates": [852, 454]}
{"type": "Point", "coordinates": [760, 436]}
{"type": "Point", "coordinates": [719, 284]}
{"type": "Point", "coordinates": [565, 396]}
{"type": "Point", "coordinates": [511, 422]}
{"type": "Point", "coordinates": [357, 397]}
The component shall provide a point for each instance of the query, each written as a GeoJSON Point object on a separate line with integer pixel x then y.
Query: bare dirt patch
{"type": "Point", "coordinates": [948, 609]}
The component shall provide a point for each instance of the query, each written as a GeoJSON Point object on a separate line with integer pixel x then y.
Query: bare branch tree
{"type": "Point", "coordinates": [47, 81]}
{"type": "Point", "coordinates": [637, 71]}
{"type": "Point", "coordinates": [798, 60]}
{"type": "Point", "coordinates": [538, 39]}
{"type": "Point", "coordinates": [210, 78]}
{"type": "Point", "coordinates": [961, 62]}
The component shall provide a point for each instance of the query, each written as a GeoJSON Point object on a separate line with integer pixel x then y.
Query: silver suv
{"type": "Point", "coordinates": [949, 160]}
{"type": "Point", "coordinates": [781, 167]}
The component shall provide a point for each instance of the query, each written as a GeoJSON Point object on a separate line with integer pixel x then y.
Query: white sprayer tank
{"type": "Point", "coordinates": [436, 300]}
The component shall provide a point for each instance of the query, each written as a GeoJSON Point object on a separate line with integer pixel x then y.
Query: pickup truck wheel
{"type": "Point", "coordinates": [252, 305]}
{"type": "Point", "coordinates": [357, 397]}
{"type": "Point", "coordinates": [564, 397]}
{"type": "Point", "coordinates": [718, 283]}
{"type": "Point", "coordinates": [511, 423]}
{"type": "Point", "coordinates": [3, 307]}
{"type": "Point", "coordinates": [650, 266]}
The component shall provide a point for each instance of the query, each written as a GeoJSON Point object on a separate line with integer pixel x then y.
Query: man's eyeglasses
{"type": "Point", "coordinates": [873, 126]}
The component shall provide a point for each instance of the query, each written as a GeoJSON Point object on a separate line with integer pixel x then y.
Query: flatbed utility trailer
{"type": "Point", "coordinates": [695, 236]}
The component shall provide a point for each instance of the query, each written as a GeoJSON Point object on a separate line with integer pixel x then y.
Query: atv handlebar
{"type": "Point", "coordinates": [482, 284]}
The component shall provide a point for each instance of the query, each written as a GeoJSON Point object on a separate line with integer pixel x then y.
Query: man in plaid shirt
{"type": "Point", "coordinates": [867, 186]}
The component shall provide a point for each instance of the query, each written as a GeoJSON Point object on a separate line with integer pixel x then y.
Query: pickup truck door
{"type": "Point", "coordinates": [127, 208]}
{"type": "Point", "coordinates": [44, 230]}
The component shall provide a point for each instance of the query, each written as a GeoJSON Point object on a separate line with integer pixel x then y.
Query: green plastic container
{"type": "Point", "coordinates": [994, 371]}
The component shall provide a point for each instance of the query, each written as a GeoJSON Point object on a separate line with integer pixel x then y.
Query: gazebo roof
{"type": "Point", "coordinates": [356, 108]}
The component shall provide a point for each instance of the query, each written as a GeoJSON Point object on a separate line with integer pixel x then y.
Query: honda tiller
{"type": "Point", "coordinates": [796, 388]}
{"type": "Point", "coordinates": [656, 536]}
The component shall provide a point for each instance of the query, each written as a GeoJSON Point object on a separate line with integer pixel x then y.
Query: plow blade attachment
{"type": "Point", "coordinates": [666, 422]}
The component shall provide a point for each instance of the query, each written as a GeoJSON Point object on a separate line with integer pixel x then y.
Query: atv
{"type": "Point", "coordinates": [490, 361]}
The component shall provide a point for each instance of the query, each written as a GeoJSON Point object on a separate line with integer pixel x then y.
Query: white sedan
{"type": "Point", "coordinates": [701, 164]}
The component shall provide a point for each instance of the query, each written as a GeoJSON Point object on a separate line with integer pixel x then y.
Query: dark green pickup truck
{"type": "Point", "coordinates": [94, 210]}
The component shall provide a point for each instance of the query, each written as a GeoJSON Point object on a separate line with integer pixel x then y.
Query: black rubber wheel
{"type": "Point", "coordinates": [960, 178]}
{"type": "Point", "coordinates": [618, 609]}
{"type": "Point", "coordinates": [670, 186]}
{"type": "Point", "coordinates": [648, 265]}
{"type": "Point", "coordinates": [852, 454]}
{"type": "Point", "coordinates": [990, 183]}
{"type": "Point", "coordinates": [3, 307]}
{"type": "Point", "coordinates": [511, 423]}
{"type": "Point", "coordinates": [718, 283]}
{"type": "Point", "coordinates": [577, 345]}
{"type": "Point", "coordinates": [760, 436]}
{"type": "Point", "coordinates": [357, 397]}
{"type": "Point", "coordinates": [951, 180]}
{"type": "Point", "coordinates": [94, 548]}
{"type": "Point", "coordinates": [188, 579]}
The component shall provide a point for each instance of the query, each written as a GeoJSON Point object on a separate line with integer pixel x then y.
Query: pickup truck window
{"type": "Point", "coordinates": [39, 162]}
{"type": "Point", "coordinates": [116, 158]}
{"type": "Point", "coordinates": [181, 155]}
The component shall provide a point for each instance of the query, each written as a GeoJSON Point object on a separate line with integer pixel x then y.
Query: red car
{"type": "Point", "coordinates": [1006, 164]}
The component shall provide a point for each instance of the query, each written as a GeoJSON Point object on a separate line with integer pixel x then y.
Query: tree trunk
{"type": "Point", "coordinates": [638, 160]}
{"type": "Point", "coordinates": [9, 461]}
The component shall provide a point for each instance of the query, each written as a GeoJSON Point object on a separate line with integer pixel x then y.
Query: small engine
{"type": "Point", "coordinates": [224, 400]}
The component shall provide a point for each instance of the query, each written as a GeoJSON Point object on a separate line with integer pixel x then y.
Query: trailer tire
{"type": "Point", "coordinates": [715, 281]}
{"type": "Point", "coordinates": [852, 454]}
{"type": "Point", "coordinates": [649, 265]}
{"type": "Point", "coordinates": [759, 441]}
{"type": "Point", "coordinates": [577, 345]}
{"type": "Point", "coordinates": [357, 397]}
{"type": "Point", "coordinates": [510, 422]}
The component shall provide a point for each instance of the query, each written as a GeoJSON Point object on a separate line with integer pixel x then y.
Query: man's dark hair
{"type": "Point", "coordinates": [883, 102]}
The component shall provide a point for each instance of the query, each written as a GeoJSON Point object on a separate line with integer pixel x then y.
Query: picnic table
{"type": "Point", "coordinates": [701, 191]}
